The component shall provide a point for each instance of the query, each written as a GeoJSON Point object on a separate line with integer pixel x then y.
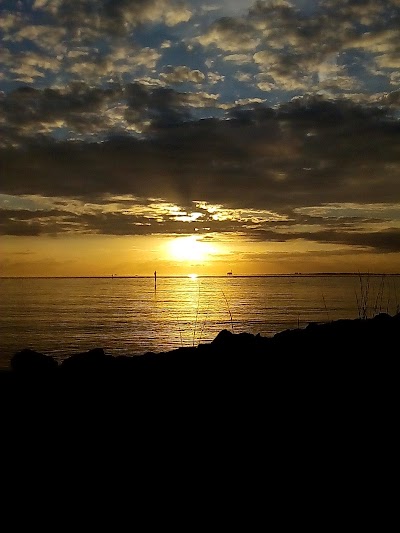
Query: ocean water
{"type": "Point", "coordinates": [130, 316]}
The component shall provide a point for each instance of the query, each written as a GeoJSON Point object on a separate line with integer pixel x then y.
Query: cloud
{"type": "Point", "coordinates": [27, 67]}
{"type": "Point", "coordinates": [230, 34]}
{"type": "Point", "coordinates": [250, 224]}
{"type": "Point", "coordinates": [108, 145]}
{"type": "Point", "coordinates": [292, 47]}
{"type": "Point", "coordinates": [48, 38]}
{"type": "Point", "coordinates": [182, 74]}
{"type": "Point", "coordinates": [391, 99]}
{"type": "Point", "coordinates": [113, 17]}
{"type": "Point", "coordinates": [239, 59]}
{"type": "Point", "coordinates": [28, 111]}
{"type": "Point", "coordinates": [324, 136]}
{"type": "Point", "coordinates": [91, 112]}
{"type": "Point", "coordinates": [272, 173]}
{"type": "Point", "coordinates": [117, 62]}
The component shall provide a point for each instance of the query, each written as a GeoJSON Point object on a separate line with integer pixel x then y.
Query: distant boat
{"type": "Point", "coordinates": [229, 273]}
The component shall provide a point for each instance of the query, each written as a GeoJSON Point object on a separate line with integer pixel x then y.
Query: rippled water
{"type": "Point", "coordinates": [61, 316]}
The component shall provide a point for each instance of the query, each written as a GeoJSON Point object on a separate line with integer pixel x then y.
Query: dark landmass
{"type": "Point", "coordinates": [355, 350]}
{"type": "Point", "coordinates": [314, 407]}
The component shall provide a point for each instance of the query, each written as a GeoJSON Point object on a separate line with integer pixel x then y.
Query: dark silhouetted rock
{"type": "Point", "coordinates": [299, 391]}
{"type": "Point", "coordinates": [92, 361]}
{"type": "Point", "coordinates": [32, 362]}
{"type": "Point", "coordinates": [339, 351]}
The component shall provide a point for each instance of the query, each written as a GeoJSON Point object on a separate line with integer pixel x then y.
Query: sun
{"type": "Point", "coordinates": [189, 249]}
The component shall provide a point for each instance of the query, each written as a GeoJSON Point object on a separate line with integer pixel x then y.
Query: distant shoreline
{"type": "Point", "coordinates": [184, 276]}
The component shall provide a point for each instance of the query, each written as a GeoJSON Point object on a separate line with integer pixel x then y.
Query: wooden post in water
{"type": "Point", "coordinates": [155, 280]}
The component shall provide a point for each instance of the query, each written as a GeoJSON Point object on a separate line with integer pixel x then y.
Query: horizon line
{"type": "Point", "coordinates": [159, 276]}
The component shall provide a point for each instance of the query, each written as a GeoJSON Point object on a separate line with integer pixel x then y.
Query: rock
{"type": "Point", "coordinates": [92, 361]}
{"type": "Point", "coordinates": [31, 362]}
{"type": "Point", "coordinates": [329, 349]}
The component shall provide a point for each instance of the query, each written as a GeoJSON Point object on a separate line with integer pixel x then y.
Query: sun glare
{"type": "Point", "coordinates": [189, 249]}
{"type": "Point", "coordinates": [193, 276]}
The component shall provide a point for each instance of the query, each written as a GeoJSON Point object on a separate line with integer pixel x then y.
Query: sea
{"type": "Point", "coordinates": [135, 315]}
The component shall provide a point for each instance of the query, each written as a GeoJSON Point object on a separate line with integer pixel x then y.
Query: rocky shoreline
{"type": "Point", "coordinates": [313, 390]}
{"type": "Point", "coordinates": [301, 351]}
{"type": "Point", "coordinates": [307, 407]}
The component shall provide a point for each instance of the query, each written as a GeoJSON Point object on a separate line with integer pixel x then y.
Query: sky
{"type": "Point", "coordinates": [199, 137]}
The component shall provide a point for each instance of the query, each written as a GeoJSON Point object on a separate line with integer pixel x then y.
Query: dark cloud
{"type": "Point", "coordinates": [54, 222]}
{"type": "Point", "coordinates": [79, 107]}
{"type": "Point", "coordinates": [392, 99]}
{"type": "Point", "coordinates": [386, 241]}
{"type": "Point", "coordinates": [87, 112]}
{"type": "Point", "coordinates": [230, 34]}
{"type": "Point", "coordinates": [22, 222]}
{"type": "Point", "coordinates": [305, 153]}
{"type": "Point", "coordinates": [113, 17]}
{"type": "Point", "coordinates": [160, 106]}
{"type": "Point", "coordinates": [51, 222]}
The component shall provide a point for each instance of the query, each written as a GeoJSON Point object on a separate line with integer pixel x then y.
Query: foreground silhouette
{"type": "Point", "coordinates": [343, 349]}
{"type": "Point", "coordinates": [313, 405]}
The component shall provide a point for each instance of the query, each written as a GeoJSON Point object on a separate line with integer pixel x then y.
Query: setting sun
{"type": "Point", "coordinates": [190, 249]}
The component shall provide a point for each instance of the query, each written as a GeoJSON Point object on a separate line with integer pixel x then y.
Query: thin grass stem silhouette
{"type": "Point", "coordinates": [326, 309]}
{"type": "Point", "coordinates": [379, 296]}
{"type": "Point", "coordinates": [229, 311]}
{"type": "Point", "coordinates": [197, 314]}
{"type": "Point", "coordinates": [396, 301]}
{"type": "Point", "coordinates": [202, 328]}
{"type": "Point", "coordinates": [362, 303]}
